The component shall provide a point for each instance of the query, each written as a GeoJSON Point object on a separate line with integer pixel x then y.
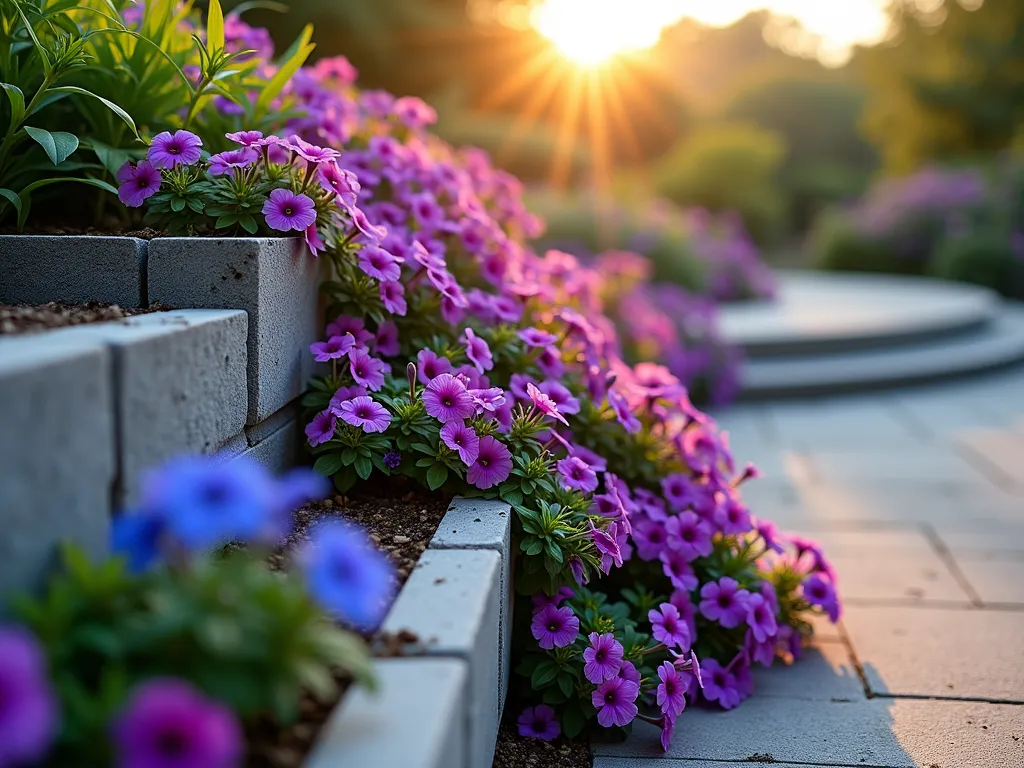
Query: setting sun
{"type": "Point", "coordinates": [589, 32]}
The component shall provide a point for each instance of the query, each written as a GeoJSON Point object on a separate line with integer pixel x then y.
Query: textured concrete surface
{"type": "Point", "coordinates": [452, 602]}
{"type": "Point", "coordinates": [406, 724]}
{"type": "Point", "coordinates": [915, 496]}
{"type": "Point", "coordinates": [275, 280]}
{"type": "Point", "coordinates": [57, 453]}
{"type": "Point", "coordinates": [179, 385]}
{"type": "Point", "coordinates": [72, 268]}
{"type": "Point", "coordinates": [484, 524]}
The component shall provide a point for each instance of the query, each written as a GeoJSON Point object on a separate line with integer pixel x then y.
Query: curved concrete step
{"type": "Point", "coordinates": [998, 343]}
{"type": "Point", "coordinates": [827, 312]}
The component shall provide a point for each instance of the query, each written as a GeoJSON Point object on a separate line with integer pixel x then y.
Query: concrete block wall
{"type": "Point", "coordinates": [457, 604]}
{"type": "Point", "coordinates": [85, 411]}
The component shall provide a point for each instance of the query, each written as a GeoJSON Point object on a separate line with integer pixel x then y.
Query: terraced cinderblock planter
{"type": "Point", "coordinates": [440, 703]}
{"type": "Point", "coordinates": [41, 268]}
{"type": "Point", "coordinates": [275, 280]}
{"type": "Point", "coordinates": [84, 411]}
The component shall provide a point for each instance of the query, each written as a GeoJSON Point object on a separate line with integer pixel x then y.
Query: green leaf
{"type": "Point", "coordinates": [573, 721]}
{"type": "Point", "coordinates": [40, 50]}
{"type": "Point", "coordinates": [436, 476]}
{"type": "Point", "coordinates": [27, 191]}
{"type": "Point", "coordinates": [57, 145]}
{"type": "Point", "coordinates": [363, 467]}
{"type": "Point", "coordinates": [215, 27]}
{"type": "Point", "coordinates": [12, 197]}
{"type": "Point", "coordinates": [545, 672]}
{"type": "Point", "coordinates": [177, 204]}
{"type": "Point", "coordinates": [109, 104]}
{"type": "Point", "coordinates": [17, 99]}
{"type": "Point", "coordinates": [295, 57]}
{"type": "Point", "coordinates": [328, 464]}
{"type": "Point", "coordinates": [566, 683]}
{"type": "Point", "coordinates": [248, 224]}
{"type": "Point", "coordinates": [111, 157]}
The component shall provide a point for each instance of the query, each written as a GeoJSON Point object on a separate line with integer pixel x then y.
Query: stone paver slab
{"type": "Point", "coordinates": [919, 651]}
{"type": "Point", "coordinates": [1002, 449]}
{"type": "Point", "coordinates": [995, 581]}
{"type": "Point", "coordinates": [824, 672]}
{"type": "Point", "coordinates": [890, 733]}
{"type": "Point", "coordinates": [859, 425]}
{"type": "Point", "coordinates": [797, 730]}
{"type": "Point", "coordinates": [968, 540]}
{"type": "Point", "coordinates": [911, 467]}
{"type": "Point", "coordinates": [894, 575]}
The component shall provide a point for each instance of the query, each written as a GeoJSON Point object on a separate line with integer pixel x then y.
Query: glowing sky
{"type": "Point", "coordinates": [589, 31]}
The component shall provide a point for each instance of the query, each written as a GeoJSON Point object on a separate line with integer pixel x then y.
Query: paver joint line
{"type": "Point", "coordinates": [951, 565]}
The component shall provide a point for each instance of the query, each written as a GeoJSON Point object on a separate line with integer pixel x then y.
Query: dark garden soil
{"type": "Point", "coordinates": [515, 751]}
{"type": "Point", "coordinates": [401, 524]}
{"type": "Point", "coordinates": [32, 318]}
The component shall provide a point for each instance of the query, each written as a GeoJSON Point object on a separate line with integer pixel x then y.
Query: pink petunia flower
{"type": "Point", "coordinates": [447, 399]}
{"type": "Point", "coordinates": [321, 428]}
{"type": "Point", "coordinates": [138, 183]}
{"type": "Point", "coordinates": [170, 150]}
{"type": "Point", "coordinates": [365, 413]}
{"type": "Point", "coordinates": [462, 439]}
{"type": "Point", "coordinates": [367, 371]}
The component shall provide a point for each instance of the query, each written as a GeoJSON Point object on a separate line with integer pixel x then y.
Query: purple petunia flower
{"type": "Point", "coordinates": [614, 700]}
{"type": "Point", "coordinates": [392, 459]}
{"type": "Point", "coordinates": [492, 466]}
{"type": "Point", "coordinates": [678, 490]}
{"type": "Point", "coordinates": [392, 294]}
{"type": "Point", "coordinates": [334, 348]}
{"type": "Point", "coordinates": [724, 601]}
{"type": "Point", "coordinates": [346, 575]}
{"type": "Point", "coordinates": [367, 371]}
{"type": "Point", "coordinates": [321, 428]}
{"type": "Point", "coordinates": [28, 707]}
{"type": "Point", "coordinates": [539, 723]}
{"type": "Point", "coordinates": [649, 536]}
{"type": "Point", "coordinates": [477, 351]}
{"type": "Point", "coordinates": [168, 151]}
{"type": "Point", "coordinates": [535, 337]}
{"type": "Point", "coordinates": [668, 627]}
{"type": "Point", "coordinates": [247, 138]}
{"type": "Point", "coordinates": [310, 152]}
{"type": "Point", "coordinates": [678, 569]}
{"type": "Point", "coordinates": [680, 598]}
{"type": "Point", "coordinates": [285, 210]}
{"type": "Point", "coordinates": [690, 535]}
{"type": "Point", "coordinates": [603, 657]}
{"type": "Point", "coordinates": [462, 439]}
{"type": "Point", "coordinates": [733, 517]}
{"type": "Point", "coordinates": [577, 475]}
{"type": "Point", "coordinates": [607, 544]}
{"type": "Point", "coordinates": [313, 240]}
{"type": "Point", "coordinates": [343, 183]}
{"type": "Point", "coordinates": [818, 590]}
{"type": "Point", "coordinates": [447, 399]}
{"type": "Point", "coordinates": [671, 690]}
{"type": "Point", "coordinates": [385, 341]}
{"type": "Point", "coordinates": [138, 182]}
{"type": "Point", "coordinates": [555, 627]}
{"type": "Point", "coordinates": [170, 724]}
{"type": "Point", "coordinates": [544, 404]}
{"type": "Point", "coordinates": [379, 264]}
{"type": "Point", "coordinates": [225, 162]}
{"type": "Point", "coordinates": [623, 412]}
{"type": "Point", "coordinates": [365, 413]}
{"type": "Point", "coordinates": [720, 684]}
{"type": "Point", "coordinates": [430, 366]}
{"type": "Point", "coordinates": [761, 618]}
{"type": "Point", "coordinates": [540, 599]}
{"type": "Point", "coordinates": [769, 534]}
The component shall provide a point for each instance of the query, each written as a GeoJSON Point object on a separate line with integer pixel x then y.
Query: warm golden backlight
{"type": "Point", "coordinates": [592, 31]}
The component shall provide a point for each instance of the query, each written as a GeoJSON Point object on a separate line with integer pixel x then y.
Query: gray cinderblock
{"type": "Point", "coordinates": [57, 453]}
{"type": "Point", "coordinates": [407, 723]}
{"type": "Point", "coordinates": [275, 280]}
{"type": "Point", "coordinates": [179, 385]}
{"type": "Point", "coordinates": [452, 602]}
{"type": "Point", "coordinates": [74, 268]}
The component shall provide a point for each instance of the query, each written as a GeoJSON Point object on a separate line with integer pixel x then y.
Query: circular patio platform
{"type": "Point", "coordinates": [834, 332]}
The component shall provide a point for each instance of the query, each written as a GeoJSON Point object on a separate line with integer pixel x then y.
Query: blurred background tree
{"type": "Point", "coordinates": [949, 85]}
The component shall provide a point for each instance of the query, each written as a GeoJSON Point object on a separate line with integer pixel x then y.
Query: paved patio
{"type": "Point", "coordinates": [918, 496]}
